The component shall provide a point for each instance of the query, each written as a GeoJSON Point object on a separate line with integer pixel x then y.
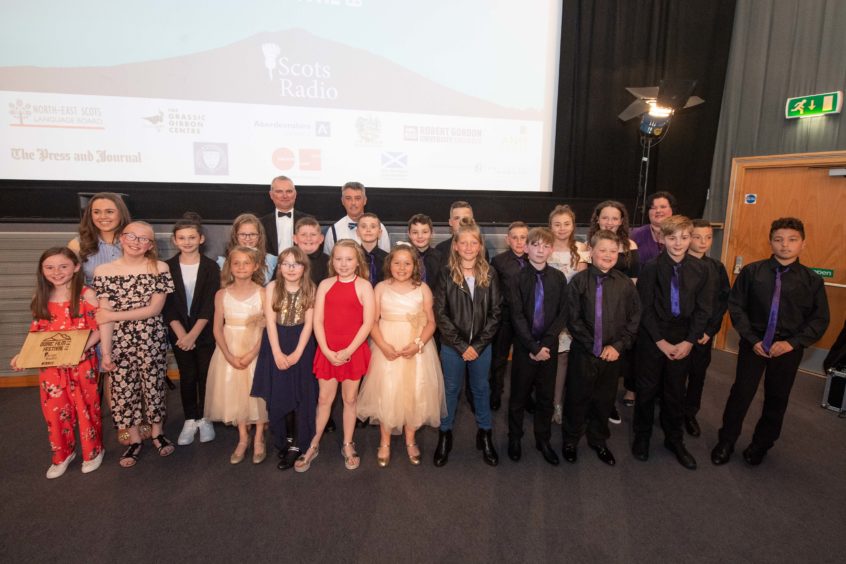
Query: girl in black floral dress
{"type": "Point", "coordinates": [132, 293]}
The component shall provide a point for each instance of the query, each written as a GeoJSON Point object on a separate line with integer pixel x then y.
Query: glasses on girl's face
{"type": "Point", "coordinates": [290, 265]}
{"type": "Point", "coordinates": [248, 235]}
{"type": "Point", "coordinates": [132, 237]}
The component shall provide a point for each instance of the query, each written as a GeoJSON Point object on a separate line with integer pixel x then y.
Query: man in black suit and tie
{"type": "Point", "coordinates": [279, 224]}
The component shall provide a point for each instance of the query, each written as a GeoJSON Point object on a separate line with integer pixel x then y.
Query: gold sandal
{"type": "Point", "coordinates": [352, 461]}
{"type": "Point", "coordinates": [304, 461]}
{"type": "Point", "coordinates": [414, 458]}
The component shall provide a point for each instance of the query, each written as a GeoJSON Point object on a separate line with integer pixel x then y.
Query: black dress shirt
{"type": "Point", "coordinates": [433, 262]}
{"type": "Point", "coordinates": [695, 297]}
{"type": "Point", "coordinates": [803, 314]}
{"type": "Point", "coordinates": [721, 287]}
{"type": "Point", "coordinates": [378, 261]}
{"type": "Point", "coordinates": [620, 309]}
{"type": "Point", "coordinates": [319, 266]}
{"type": "Point", "coordinates": [522, 302]}
{"type": "Point", "coordinates": [507, 266]}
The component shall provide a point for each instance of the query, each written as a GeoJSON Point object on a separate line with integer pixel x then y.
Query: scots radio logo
{"type": "Point", "coordinates": [301, 80]}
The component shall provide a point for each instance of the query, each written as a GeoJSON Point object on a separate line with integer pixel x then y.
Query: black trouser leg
{"type": "Point", "coordinates": [522, 380]}
{"type": "Point", "coordinates": [672, 398]}
{"type": "Point", "coordinates": [581, 374]}
{"type": "Point", "coordinates": [700, 359]}
{"type": "Point", "coordinates": [499, 357]}
{"type": "Point", "coordinates": [603, 397]}
{"type": "Point", "coordinates": [778, 382]}
{"type": "Point", "coordinates": [544, 387]}
{"type": "Point", "coordinates": [750, 368]}
{"type": "Point", "coordinates": [650, 367]}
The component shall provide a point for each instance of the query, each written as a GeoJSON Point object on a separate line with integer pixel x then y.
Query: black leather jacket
{"type": "Point", "coordinates": [464, 321]}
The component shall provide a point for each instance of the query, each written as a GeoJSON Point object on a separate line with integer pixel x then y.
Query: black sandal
{"type": "Point", "coordinates": [164, 446]}
{"type": "Point", "coordinates": [130, 456]}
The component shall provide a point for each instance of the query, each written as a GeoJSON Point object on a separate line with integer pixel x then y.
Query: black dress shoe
{"type": "Point", "coordinates": [685, 458]}
{"type": "Point", "coordinates": [515, 450]}
{"type": "Point", "coordinates": [496, 402]}
{"type": "Point", "coordinates": [754, 455]}
{"type": "Point", "coordinates": [721, 453]}
{"type": "Point", "coordinates": [548, 452]}
{"type": "Point", "coordinates": [640, 448]}
{"type": "Point", "coordinates": [443, 448]}
{"type": "Point", "coordinates": [484, 442]}
{"type": "Point", "coordinates": [330, 426]}
{"type": "Point", "coordinates": [570, 452]}
{"type": "Point", "coordinates": [289, 459]}
{"type": "Point", "coordinates": [691, 425]}
{"type": "Point", "coordinates": [604, 454]}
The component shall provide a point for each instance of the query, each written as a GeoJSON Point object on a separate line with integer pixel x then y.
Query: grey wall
{"type": "Point", "coordinates": [780, 49]}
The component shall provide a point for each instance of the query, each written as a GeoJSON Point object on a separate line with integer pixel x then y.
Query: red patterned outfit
{"type": "Point", "coordinates": [69, 395]}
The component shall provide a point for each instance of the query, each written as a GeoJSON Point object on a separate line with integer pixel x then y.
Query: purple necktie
{"type": "Point", "coordinates": [537, 315]}
{"type": "Point", "coordinates": [522, 262]}
{"type": "Point", "coordinates": [372, 269]}
{"type": "Point", "coordinates": [597, 317]}
{"type": "Point", "coordinates": [422, 266]}
{"type": "Point", "coordinates": [675, 306]}
{"type": "Point", "coordinates": [772, 321]}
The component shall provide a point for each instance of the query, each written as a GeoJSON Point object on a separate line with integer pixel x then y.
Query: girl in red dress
{"type": "Point", "coordinates": [344, 311]}
{"type": "Point", "coordinates": [68, 393]}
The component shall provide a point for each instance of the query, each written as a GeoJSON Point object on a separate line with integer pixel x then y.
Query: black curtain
{"type": "Point", "coordinates": [608, 45]}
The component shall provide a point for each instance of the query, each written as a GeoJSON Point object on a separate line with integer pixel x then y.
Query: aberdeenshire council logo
{"type": "Point", "coordinates": [55, 116]}
{"type": "Point", "coordinates": [303, 80]}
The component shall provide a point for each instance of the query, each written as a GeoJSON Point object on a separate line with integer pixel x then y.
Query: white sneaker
{"type": "Point", "coordinates": [94, 463]}
{"type": "Point", "coordinates": [206, 430]}
{"type": "Point", "coordinates": [57, 470]}
{"type": "Point", "coordinates": [186, 436]}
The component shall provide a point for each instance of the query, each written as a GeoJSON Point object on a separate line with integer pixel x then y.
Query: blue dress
{"type": "Point", "coordinates": [294, 389]}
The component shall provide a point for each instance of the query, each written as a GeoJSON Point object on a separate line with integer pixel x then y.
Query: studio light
{"type": "Point", "coordinates": [656, 105]}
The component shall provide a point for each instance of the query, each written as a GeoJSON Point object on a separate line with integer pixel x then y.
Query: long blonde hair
{"type": "Point", "coordinates": [563, 209]}
{"type": "Point", "coordinates": [481, 270]}
{"type": "Point", "coordinates": [307, 287]}
{"type": "Point", "coordinates": [363, 269]}
{"type": "Point", "coordinates": [226, 278]}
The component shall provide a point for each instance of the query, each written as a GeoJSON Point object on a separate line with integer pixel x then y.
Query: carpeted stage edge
{"type": "Point", "coordinates": [196, 507]}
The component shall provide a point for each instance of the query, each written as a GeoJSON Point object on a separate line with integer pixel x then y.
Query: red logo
{"type": "Point", "coordinates": [305, 159]}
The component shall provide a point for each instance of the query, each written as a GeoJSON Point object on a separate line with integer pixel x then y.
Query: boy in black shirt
{"type": "Point", "coordinates": [676, 297]}
{"type": "Point", "coordinates": [507, 265]}
{"type": "Point", "coordinates": [700, 356]}
{"type": "Point", "coordinates": [538, 310]}
{"type": "Point", "coordinates": [779, 307]}
{"type": "Point", "coordinates": [603, 311]}
{"type": "Point", "coordinates": [309, 238]}
{"type": "Point", "coordinates": [420, 232]}
{"type": "Point", "coordinates": [369, 229]}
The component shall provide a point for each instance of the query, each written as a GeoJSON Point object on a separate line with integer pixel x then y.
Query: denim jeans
{"type": "Point", "coordinates": [454, 366]}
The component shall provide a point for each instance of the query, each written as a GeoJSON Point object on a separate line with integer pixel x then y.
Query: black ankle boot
{"type": "Point", "coordinates": [443, 448]}
{"type": "Point", "coordinates": [484, 442]}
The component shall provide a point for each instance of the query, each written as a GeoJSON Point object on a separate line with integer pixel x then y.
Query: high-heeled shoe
{"type": "Point", "coordinates": [383, 461]}
{"type": "Point", "coordinates": [238, 457]}
{"type": "Point", "coordinates": [352, 461]}
{"type": "Point", "coordinates": [413, 458]}
{"type": "Point", "coordinates": [259, 454]}
{"type": "Point", "coordinates": [303, 463]}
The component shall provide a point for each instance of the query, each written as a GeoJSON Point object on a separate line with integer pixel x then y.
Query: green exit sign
{"type": "Point", "coordinates": [814, 105]}
{"type": "Point", "coordinates": [824, 272]}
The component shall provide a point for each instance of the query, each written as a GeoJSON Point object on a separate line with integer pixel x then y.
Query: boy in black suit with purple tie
{"type": "Point", "coordinates": [779, 307]}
